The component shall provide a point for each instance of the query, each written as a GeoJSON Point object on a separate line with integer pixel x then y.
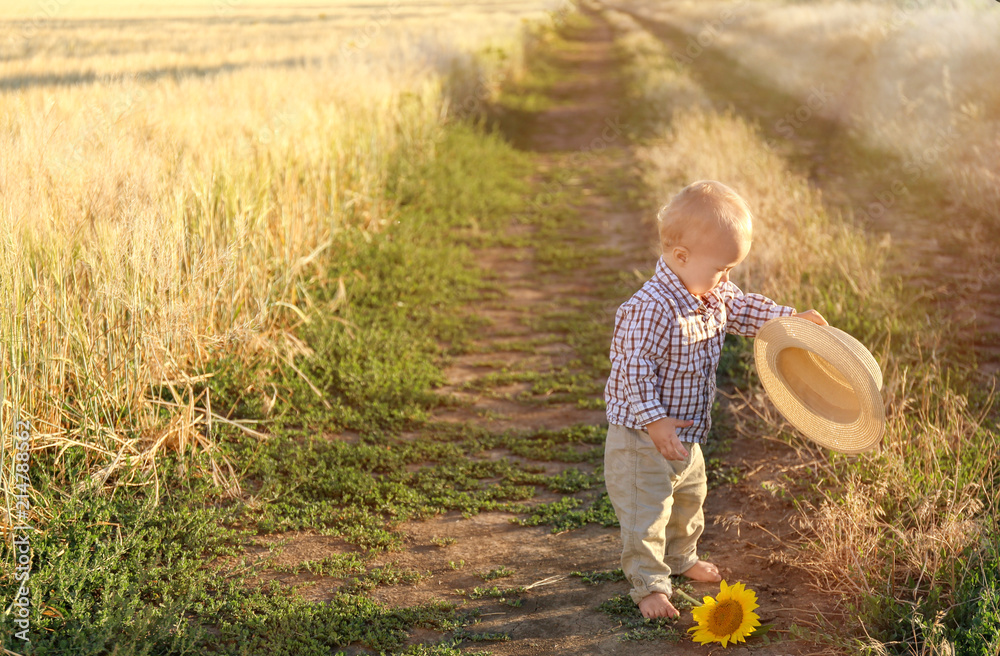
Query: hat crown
{"type": "Point", "coordinates": [863, 354]}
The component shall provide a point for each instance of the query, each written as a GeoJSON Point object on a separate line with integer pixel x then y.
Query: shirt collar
{"type": "Point", "coordinates": [675, 288]}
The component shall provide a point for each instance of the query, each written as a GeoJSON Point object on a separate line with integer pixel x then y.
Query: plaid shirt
{"type": "Point", "coordinates": [666, 348]}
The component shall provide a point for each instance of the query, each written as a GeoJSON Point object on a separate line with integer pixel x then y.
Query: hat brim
{"type": "Point", "coordinates": [823, 381]}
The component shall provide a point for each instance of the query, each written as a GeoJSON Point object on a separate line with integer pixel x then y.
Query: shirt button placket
{"type": "Point", "coordinates": [707, 363]}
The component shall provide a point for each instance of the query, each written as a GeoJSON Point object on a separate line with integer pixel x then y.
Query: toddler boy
{"type": "Point", "coordinates": [664, 354]}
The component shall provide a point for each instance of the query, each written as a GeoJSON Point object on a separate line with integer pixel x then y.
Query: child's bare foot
{"type": "Point", "coordinates": [657, 604]}
{"type": "Point", "coordinates": [704, 572]}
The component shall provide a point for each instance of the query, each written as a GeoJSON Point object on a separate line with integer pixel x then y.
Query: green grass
{"type": "Point", "coordinates": [978, 615]}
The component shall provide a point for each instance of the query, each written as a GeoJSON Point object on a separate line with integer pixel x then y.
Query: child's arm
{"type": "Point", "coordinates": [640, 331]}
{"type": "Point", "coordinates": [748, 312]}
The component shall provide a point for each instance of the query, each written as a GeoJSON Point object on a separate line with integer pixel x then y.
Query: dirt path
{"type": "Point", "coordinates": [562, 616]}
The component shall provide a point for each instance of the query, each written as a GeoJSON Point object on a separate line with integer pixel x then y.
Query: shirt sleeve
{"type": "Point", "coordinates": [747, 313]}
{"type": "Point", "coordinates": [645, 328]}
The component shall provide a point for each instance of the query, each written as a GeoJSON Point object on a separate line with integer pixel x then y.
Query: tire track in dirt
{"type": "Point", "coordinates": [748, 528]}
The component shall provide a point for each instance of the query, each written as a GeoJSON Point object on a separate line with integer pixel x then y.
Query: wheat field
{"type": "Point", "coordinates": [172, 176]}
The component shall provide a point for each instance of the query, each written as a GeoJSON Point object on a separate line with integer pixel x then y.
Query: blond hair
{"type": "Point", "coordinates": [701, 208]}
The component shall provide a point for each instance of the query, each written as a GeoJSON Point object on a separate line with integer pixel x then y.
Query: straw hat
{"type": "Point", "coordinates": [823, 381]}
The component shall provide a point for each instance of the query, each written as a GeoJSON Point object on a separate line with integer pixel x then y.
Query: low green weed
{"type": "Point", "coordinates": [498, 573]}
{"type": "Point", "coordinates": [623, 610]}
{"type": "Point", "coordinates": [566, 515]}
{"type": "Point", "coordinates": [496, 636]}
{"type": "Point", "coordinates": [597, 577]}
{"type": "Point", "coordinates": [336, 566]}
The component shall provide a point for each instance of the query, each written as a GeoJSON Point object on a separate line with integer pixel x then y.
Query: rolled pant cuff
{"type": "Point", "coordinates": [679, 566]}
{"type": "Point", "coordinates": [638, 594]}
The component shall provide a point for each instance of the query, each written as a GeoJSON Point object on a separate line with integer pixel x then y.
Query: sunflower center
{"type": "Point", "coordinates": [726, 618]}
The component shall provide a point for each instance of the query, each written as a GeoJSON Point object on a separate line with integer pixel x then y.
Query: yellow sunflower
{"type": "Point", "coordinates": [727, 618]}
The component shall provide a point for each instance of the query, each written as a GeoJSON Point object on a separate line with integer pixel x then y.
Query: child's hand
{"type": "Point", "coordinates": [663, 432]}
{"type": "Point", "coordinates": [814, 316]}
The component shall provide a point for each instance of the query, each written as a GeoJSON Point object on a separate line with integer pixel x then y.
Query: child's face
{"type": "Point", "coordinates": [706, 261]}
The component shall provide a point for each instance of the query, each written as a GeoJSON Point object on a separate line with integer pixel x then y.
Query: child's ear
{"type": "Point", "coordinates": [680, 254]}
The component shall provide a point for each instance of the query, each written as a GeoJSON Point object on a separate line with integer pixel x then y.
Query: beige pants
{"type": "Point", "coordinates": [659, 507]}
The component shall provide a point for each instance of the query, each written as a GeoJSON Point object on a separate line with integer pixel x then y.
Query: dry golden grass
{"type": "Point", "coordinates": [898, 521]}
{"type": "Point", "coordinates": [171, 190]}
{"type": "Point", "coordinates": [916, 78]}
{"type": "Point", "coordinates": [700, 143]}
{"type": "Point", "coordinates": [665, 87]}
{"type": "Point", "coordinates": [793, 234]}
